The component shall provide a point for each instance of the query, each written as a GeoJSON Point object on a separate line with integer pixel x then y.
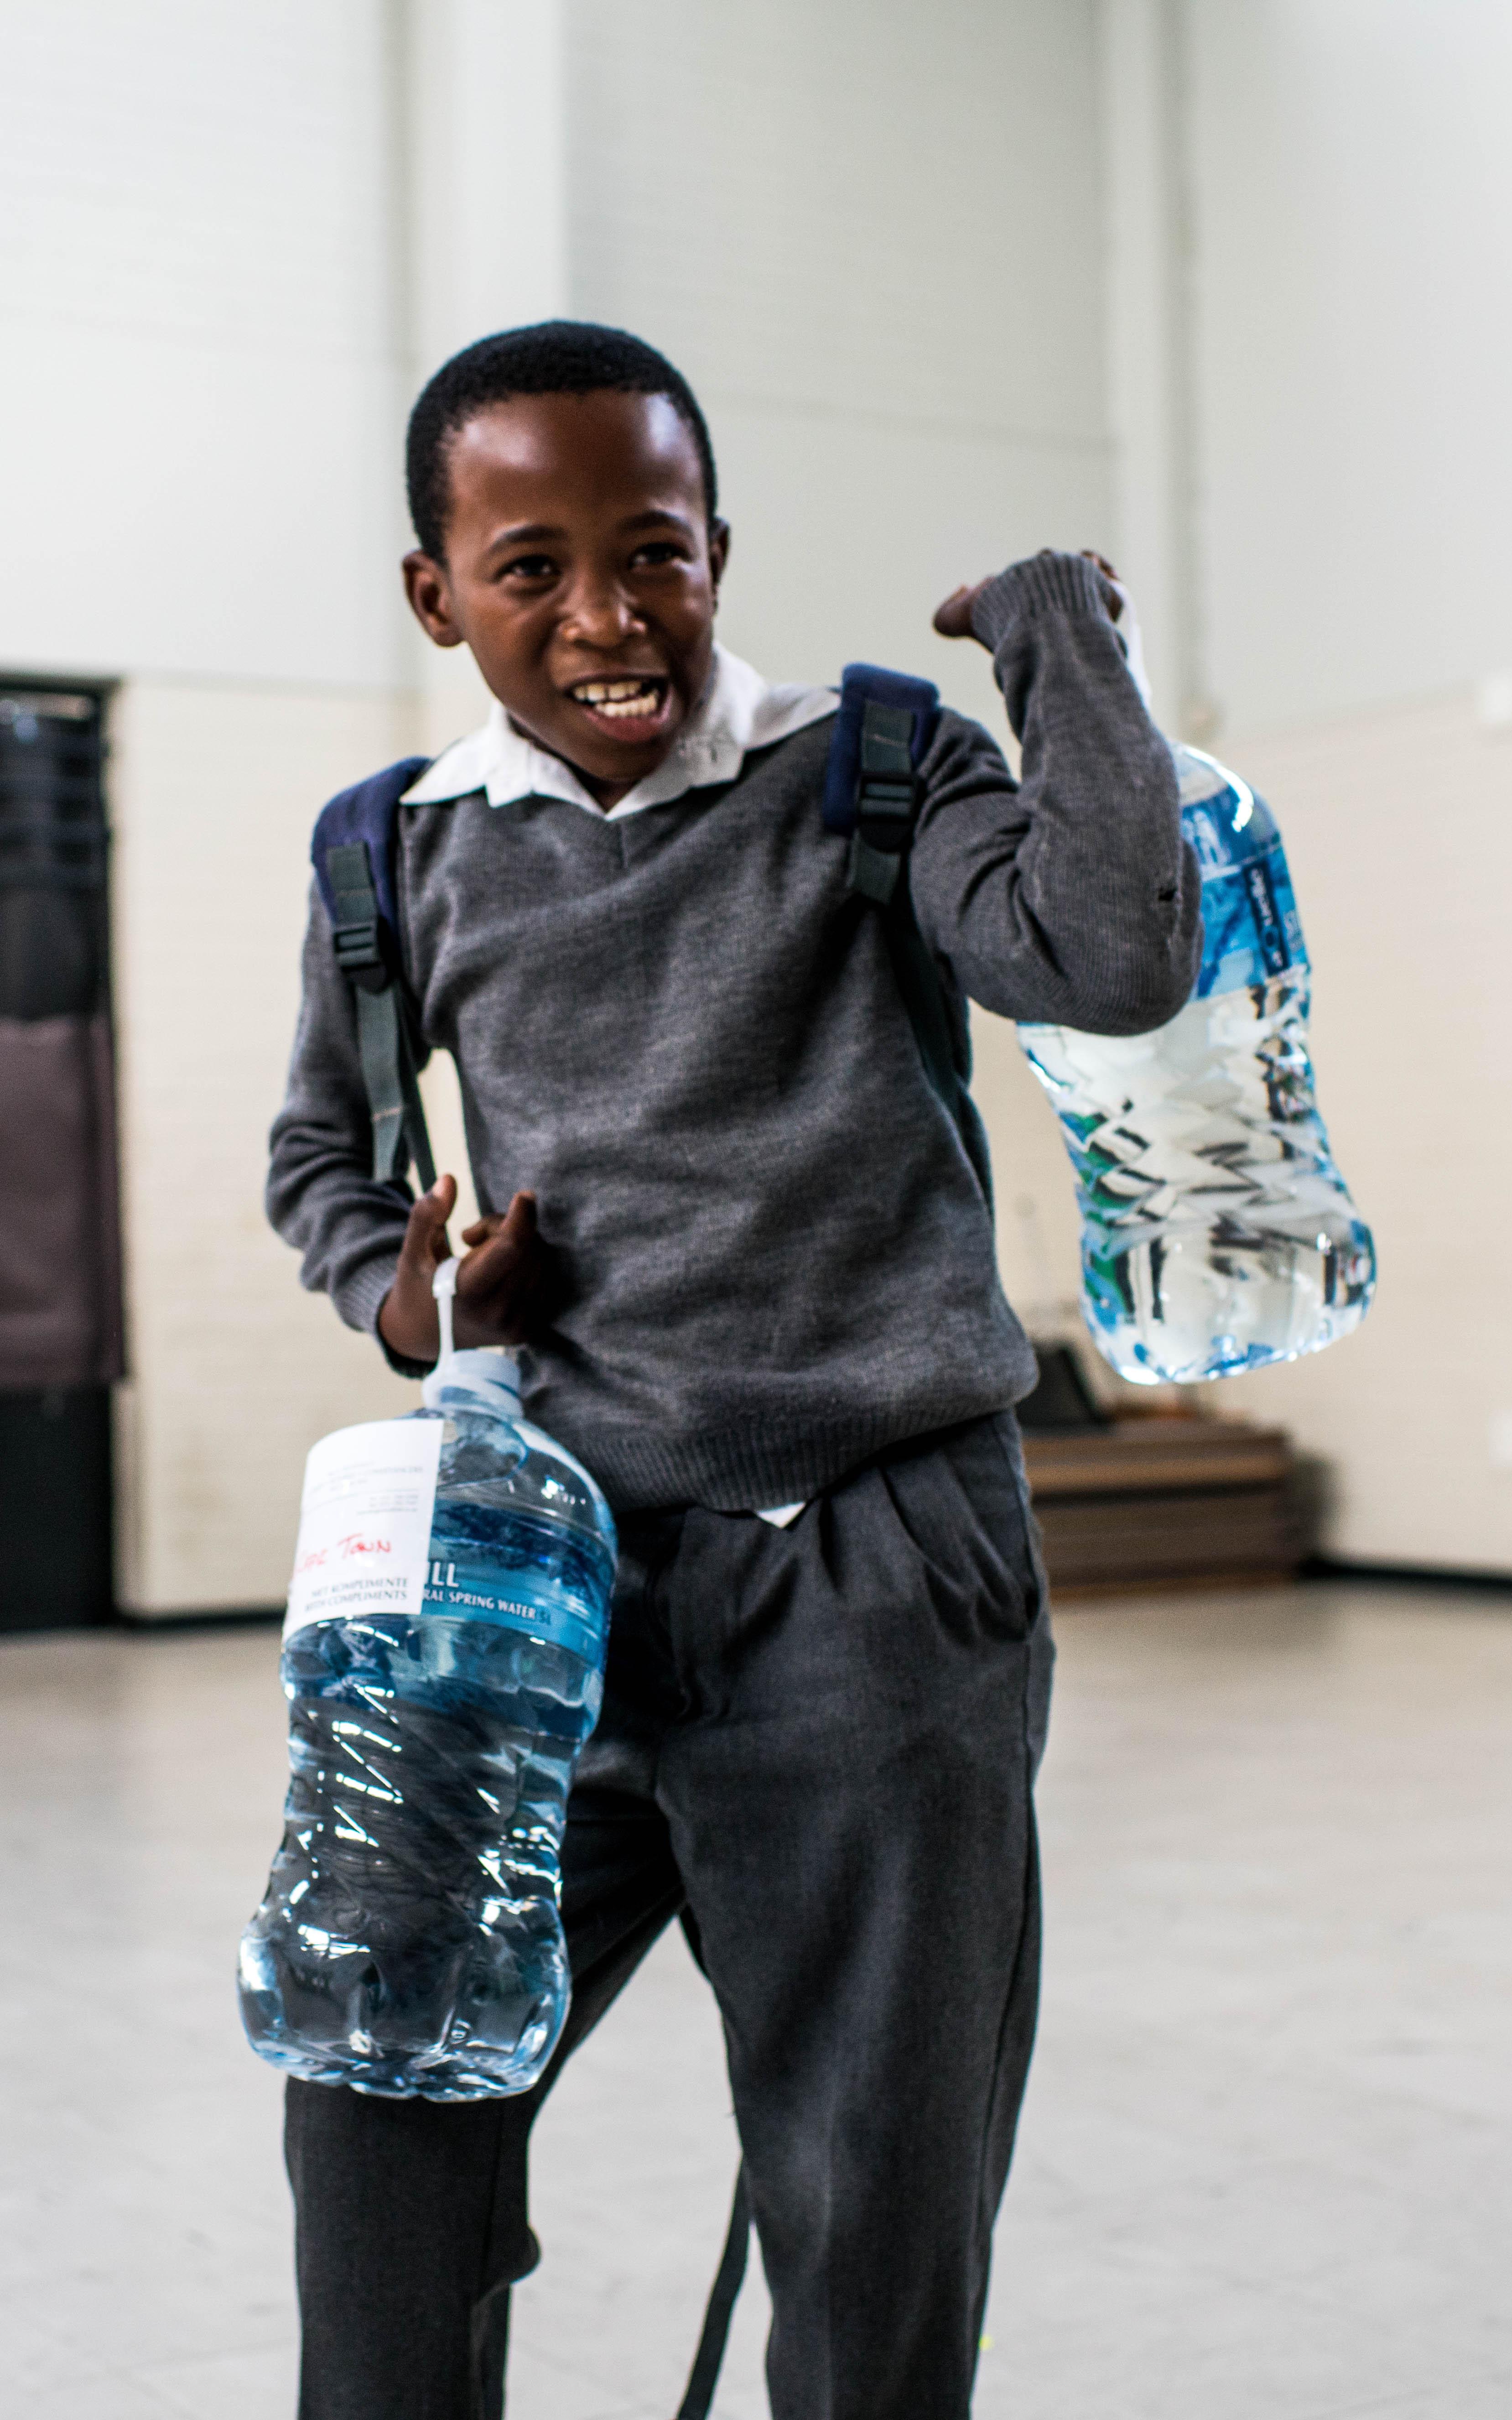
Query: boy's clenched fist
{"type": "Point", "coordinates": [953, 619]}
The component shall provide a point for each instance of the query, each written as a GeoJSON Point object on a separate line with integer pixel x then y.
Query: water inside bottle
{"type": "Point", "coordinates": [410, 1942]}
{"type": "Point", "coordinates": [1217, 1233]}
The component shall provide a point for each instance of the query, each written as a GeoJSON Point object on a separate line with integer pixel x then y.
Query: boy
{"type": "Point", "coordinates": [752, 1261]}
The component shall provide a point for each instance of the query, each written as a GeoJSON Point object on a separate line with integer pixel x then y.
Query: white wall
{"type": "Point", "coordinates": [1353, 228]}
{"type": "Point", "coordinates": [197, 313]}
{"type": "Point", "coordinates": [1354, 368]}
{"type": "Point", "coordinates": [869, 234]}
{"type": "Point", "coordinates": [1399, 831]}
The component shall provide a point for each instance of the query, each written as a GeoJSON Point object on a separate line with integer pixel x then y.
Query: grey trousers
{"type": "Point", "coordinates": [817, 1746]}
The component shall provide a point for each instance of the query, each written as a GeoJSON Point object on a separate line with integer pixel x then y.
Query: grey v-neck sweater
{"type": "Point", "coordinates": [685, 1033]}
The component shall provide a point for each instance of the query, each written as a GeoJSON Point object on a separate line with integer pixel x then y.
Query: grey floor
{"type": "Point", "coordinates": [1266, 2165]}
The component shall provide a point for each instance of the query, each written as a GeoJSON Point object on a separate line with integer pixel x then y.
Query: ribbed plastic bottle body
{"type": "Point", "coordinates": [1217, 1233]}
{"type": "Point", "coordinates": [410, 1942]}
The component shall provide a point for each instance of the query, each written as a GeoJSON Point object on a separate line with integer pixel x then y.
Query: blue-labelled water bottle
{"type": "Point", "coordinates": [1217, 1233]}
{"type": "Point", "coordinates": [444, 1662]}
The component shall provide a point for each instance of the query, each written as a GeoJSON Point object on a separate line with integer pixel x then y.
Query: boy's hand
{"type": "Point", "coordinates": [506, 1287]}
{"type": "Point", "coordinates": [953, 619]}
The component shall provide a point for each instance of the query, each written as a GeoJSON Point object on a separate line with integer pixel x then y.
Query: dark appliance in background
{"type": "Point", "coordinates": [60, 1288]}
{"type": "Point", "coordinates": [1062, 1401]}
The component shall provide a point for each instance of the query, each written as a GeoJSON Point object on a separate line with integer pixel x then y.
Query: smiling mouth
{"type": "Point", "coordinates": [638, 697]}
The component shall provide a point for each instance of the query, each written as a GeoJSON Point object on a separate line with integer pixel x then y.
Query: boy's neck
{"type": "Point", "coordinates": [605, 795]}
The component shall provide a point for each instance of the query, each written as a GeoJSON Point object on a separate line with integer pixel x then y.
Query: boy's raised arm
{"type": "Point", "coordinates": [1070, 898]}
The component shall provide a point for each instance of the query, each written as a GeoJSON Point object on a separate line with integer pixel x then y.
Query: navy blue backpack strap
{"type": "Point", "coordinates": [872, 795]}
{"type": "Point", "coordinates": [885, 725]}
{"type": "Point", "coordinates": [353, 853]}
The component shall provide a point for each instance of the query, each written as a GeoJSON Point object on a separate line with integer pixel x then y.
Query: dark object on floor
{"type": "Point", "coordinates": [54, 1508]}
{"type": "Point", "coordinates": [1163, 1501]}
{"type": "Point", "coordinates": [1062, 1400]}
{"type": "Point", "coordinates": [1453, 1577]}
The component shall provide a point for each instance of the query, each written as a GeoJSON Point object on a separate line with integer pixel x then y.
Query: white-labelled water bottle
{"type": "Point", "coordinates": [1217, 1233]}
{"type": "Point", "coordinates": [444, 1662]}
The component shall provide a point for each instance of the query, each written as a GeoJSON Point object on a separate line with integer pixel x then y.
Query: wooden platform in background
{"type": "Point", "coordinates": [1165, 1501]}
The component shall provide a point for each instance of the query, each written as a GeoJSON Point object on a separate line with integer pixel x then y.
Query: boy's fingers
{"type": "Point", "coordinates": [407, 1319]}
{"type": "Point", "coordinates": [1111, 593]}
{"type": "Point", "coordinates": [508, 1246]}
{"type": "Point", "coordinates": [507, 1279]}
{"type": "Point", "coordinates": [953, 619]}
{"type": "Point", "coordinates": [426, 1242]}
{"type": "Point", "coordinates": [520, 1219]}
{"type": "Point", "coordinates": [493, 1222]}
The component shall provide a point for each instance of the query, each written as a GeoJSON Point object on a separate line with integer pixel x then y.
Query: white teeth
{"type": "Point", "coordinates": [620, 699]}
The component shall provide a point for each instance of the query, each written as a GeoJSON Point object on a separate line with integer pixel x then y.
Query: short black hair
{"type": "Point", "coordinates": [554, 357]}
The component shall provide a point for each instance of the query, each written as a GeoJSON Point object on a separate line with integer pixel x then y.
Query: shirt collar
{"type": "Point", "coordinates": [739, 711]}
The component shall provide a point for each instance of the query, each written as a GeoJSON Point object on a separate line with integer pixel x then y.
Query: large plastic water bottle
{"type": "Point", "coordinates": [1217, 1233]}
{"type": "Point", "coordinates": [444, 1662]}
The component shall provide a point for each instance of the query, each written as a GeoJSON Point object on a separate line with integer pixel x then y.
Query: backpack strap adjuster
{"type": "Point", "coordinates": [356, 928]}
{"type": "Point", "coordinates": [359, 955]}
{"type": "Point", "coordinates": [886, 800]}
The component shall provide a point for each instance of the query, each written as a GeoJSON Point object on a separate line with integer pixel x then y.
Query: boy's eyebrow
{"type": "Point", "coordinates": [523, 530]}
{"type": "Point", "coordinates": [536, 532]}
{"type": "Point", "coordinates": [657, 513]}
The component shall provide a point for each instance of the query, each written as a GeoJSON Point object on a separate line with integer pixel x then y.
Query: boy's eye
{"type": "Point", "coordinates": [529, 566]}
{"type": "Point", "coordinates": [657, 552]}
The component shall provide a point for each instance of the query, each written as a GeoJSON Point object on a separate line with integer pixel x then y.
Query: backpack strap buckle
{"type": "Point", "coordinates": [886, 800]}
{"type": "Point", "coordinates": [356, 927]}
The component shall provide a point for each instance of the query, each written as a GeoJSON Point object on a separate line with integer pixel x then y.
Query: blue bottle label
{"type": "Point", "coordinates": [475, 1591]}
{"type": "Point", "coordinates": [1251, 929]}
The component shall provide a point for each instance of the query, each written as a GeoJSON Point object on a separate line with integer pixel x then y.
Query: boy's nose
{"type": "Point", "coordinates": [600, 614]}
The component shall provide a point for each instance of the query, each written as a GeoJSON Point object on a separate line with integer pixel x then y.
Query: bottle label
{"type": "Point", "coordinates": [364, 1521]}
{"type": "Point", "coordinates": [1251, 929]}
{"type": "Point", "coordinates": [475, 1591]}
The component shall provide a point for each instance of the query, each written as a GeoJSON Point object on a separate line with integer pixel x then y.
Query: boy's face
{"type": "Point", "coordinates": [582, 571]}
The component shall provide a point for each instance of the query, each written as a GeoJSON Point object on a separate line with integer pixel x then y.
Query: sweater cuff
{"type": "Point", "coordinates": [361, 1300]}
{"type": "Point", "coordinates": [1057, 583]}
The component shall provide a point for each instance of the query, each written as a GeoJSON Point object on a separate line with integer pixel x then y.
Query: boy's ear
{"type": "Point", "coordinates": [430, 598]}
{"type": "Point", "coordinates": [718, 552]}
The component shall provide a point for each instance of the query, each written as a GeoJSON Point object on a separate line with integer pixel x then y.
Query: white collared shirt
{"type": "Point", "coordinates": [739, 711]}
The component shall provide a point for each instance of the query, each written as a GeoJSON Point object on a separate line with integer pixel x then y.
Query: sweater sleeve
{"type": "Point", "coordinates": [1070, 899]}
{"type": "Point", "coordinates": [321, 1195]}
